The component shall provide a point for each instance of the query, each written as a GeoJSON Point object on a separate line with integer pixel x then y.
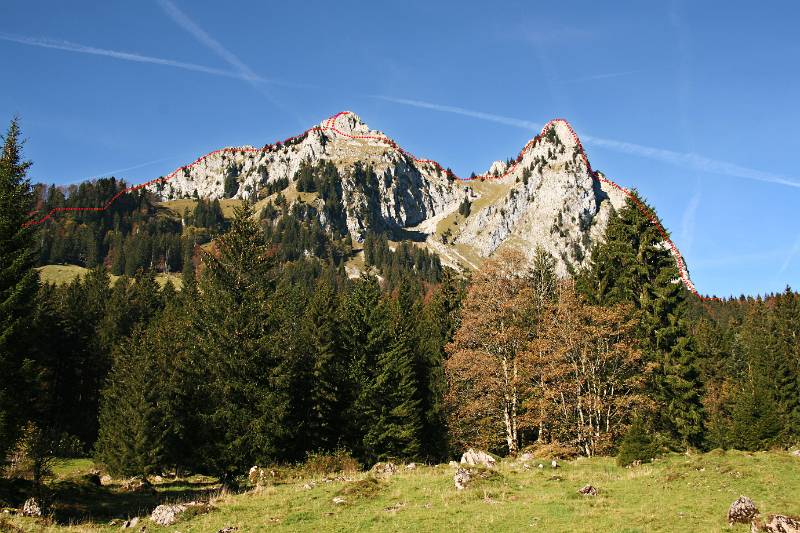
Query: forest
{"type": "Point", "coordinates": [269, 352]}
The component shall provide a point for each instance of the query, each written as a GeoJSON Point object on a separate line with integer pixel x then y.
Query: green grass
{"type": "Point", "coordinates": [60, 274]}
{"type": "Point", "coordinates": [676, 493]}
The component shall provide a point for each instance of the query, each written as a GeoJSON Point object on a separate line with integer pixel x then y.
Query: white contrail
{"type": "Point", "coordinates": [127, 56]}
{"type": "Point", "coordinates": [681, 159]}
{"type": "Point", "coordinates": [605, 76]}
{"type": "Point", "coordinates": [116, 171]}
{"type": "Point", "coordinates": [191, 27]}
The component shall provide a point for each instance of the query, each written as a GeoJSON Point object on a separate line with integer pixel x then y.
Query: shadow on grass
{"type": "Point", "coordinates": [73, 500]}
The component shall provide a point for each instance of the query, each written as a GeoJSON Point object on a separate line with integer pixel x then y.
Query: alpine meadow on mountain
{"type": "Point", "coordinates": [338, 332]}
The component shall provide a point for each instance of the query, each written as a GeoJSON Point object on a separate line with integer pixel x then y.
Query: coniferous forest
{"type": "Point", "coordinates": [269, 352]}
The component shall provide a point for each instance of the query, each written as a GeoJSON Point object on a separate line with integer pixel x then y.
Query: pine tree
{"type": "Point", "coordinates": [634, 266]}
{"type": "Point", "coordinates": [18, 282]}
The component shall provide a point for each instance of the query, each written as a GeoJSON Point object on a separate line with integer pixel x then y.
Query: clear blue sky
{"type": "Point", "coordinates": [694, 105]}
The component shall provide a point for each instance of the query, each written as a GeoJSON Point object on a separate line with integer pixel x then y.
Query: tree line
{"type": "Point", "coordinates": [268, 353]}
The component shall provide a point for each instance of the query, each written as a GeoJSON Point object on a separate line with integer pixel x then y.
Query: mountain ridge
{"type": "Point", "coordinates": [439, 196]}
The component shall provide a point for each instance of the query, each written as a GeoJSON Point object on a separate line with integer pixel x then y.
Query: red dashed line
{"type": "Point", "coordinates": [330, 124]}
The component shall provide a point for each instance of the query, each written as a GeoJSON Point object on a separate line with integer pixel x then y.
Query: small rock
{"type": "Point", "coordinates": [338, 500]}
{"type": "Point", "coordinates": [796, 453]}
{"type": "Point", "coordinates": [166, 515]}
{"type": "Point", "coordinates": [228, 529]}
{"type": "Point", "coordinates": [742, 511]}
{"type": "Point", "coordinates": [411, 466]}
{"type": "Point", "coordinates": [781, 524]}
{"type": "Point", "coordinates": [383, 469]}
{"type": "Point", "coordinates": [136, 484]}
{"type": "Point", "coordinates": [525, 457]}
{"type": "Point", "coordinates": [130, 522]}
{"type": "Point", "coordinates": [256, 476]}
{"type": "Point", "coordinates": [554, 463]}
{"type": "Point", "coordinates": [453, 464]}
{"type": "Point", "coordinates": [476, 457]}
{"type": "Point", "coordinates": [541, 465]}
{"type": "Point", "coordinates": [32, 507]}
{"type": "Point", "coordinates": [309, 486]}
{"type": "Point", "coordinates": [588, 490]}
{"type": "Point", "coordinates": [105, 479]}
{"type": "Point", "coordinates": [462, 478]}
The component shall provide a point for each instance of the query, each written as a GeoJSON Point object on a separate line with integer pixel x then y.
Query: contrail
{"type": "Point", "coordinates": [680, 159]}
{"type": "Point", "coordinates": [603, 76]}
{"type": "Point", "coordinates": [117, 171]}
{"type": "Point", "coordinates": [139, 58]}
{"type": "Point", "coordinates": [127, 56]}
{"type": "Point", "coordinates": [246, 73]}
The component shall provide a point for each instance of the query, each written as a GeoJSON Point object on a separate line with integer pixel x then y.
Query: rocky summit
{"type": "Point", "coordinates": [548, 196]}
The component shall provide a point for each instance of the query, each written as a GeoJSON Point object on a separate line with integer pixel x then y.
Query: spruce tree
{"type": "Point", "coordinates": [19, 282]}
{"type": "Point", "coordinates": [634, 266]}
{"type": "Point", "coordinates": [394, 409]}
{"type": "Point", "coordinates": [319, 332]}
{"type": "Point", "coordinates": [246, 377]}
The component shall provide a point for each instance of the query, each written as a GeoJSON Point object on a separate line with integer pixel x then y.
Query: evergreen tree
{"type": "Point", "coordinates": [320, 334]}
{"type": "Point", "coordinates": [634, 266]}
{"type": "Point", "coordinates": [246, 378]}
{"type": "Point", "coordinates": [394, 410]}
{"type": "Point", "coordinates": [18, 283]}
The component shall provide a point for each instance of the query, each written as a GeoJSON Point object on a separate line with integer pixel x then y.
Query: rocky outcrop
{"type": "Point", "coordinates": [553, 200]}
{"type": "Point", "coordinates": [407, 192]}
{"type": "Point", "coordinates": [476, 457]}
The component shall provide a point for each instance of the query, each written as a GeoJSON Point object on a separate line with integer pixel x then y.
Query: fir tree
{"type": "Point", "coordinates": [634, 266]}
{"type": "Point", "coordinates": [18, 282]}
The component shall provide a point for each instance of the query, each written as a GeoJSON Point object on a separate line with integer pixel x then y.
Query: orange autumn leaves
{"type": "Point", "coordinates": [532, 361]}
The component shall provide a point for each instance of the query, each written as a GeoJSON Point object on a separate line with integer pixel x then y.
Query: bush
{"type": "Point", "coordinates": [328, 463]}
{"type": "Point", "coordinates": [636, 445]}
{"type": "Point", "coordinates": [552, 450]}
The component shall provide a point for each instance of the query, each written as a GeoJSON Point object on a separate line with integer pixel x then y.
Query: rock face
{"type": "Point", "coordinates": [408, 192]}
{"type": "Point", "coordinates": [548, 197]}
{"type": "Point", "coordinates": [476, 457]}
{"type": "Point", "coordinates": [742, 511]}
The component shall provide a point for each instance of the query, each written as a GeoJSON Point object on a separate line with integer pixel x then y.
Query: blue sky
{"type": "Point", "coordinates": [693, 103]}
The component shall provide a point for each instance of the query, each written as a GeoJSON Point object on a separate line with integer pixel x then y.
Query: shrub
{"type": "Point", "coordinates": [636, 445]}
{"type": "Point", "coordinates": [328, 463]}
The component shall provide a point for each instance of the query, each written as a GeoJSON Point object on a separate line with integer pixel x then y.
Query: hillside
{"type": "Point", "coordinates": [675, 494]}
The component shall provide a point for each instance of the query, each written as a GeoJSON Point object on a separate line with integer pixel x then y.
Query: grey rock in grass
{"type": "Point", "coordinates": [383, 469]}
{"type": "Point", "coordinates": [588, 490]}
{"type": "Point", "coordinates": [32, 507]}
{"type": "Point", "coordinates": [462, 478]}
{"type": "Point", "coordinates": [477, 457]}
{"type": "Point", "coordinates": [778, 524]}
{"type": "Point", "coordinates": [742, 511]}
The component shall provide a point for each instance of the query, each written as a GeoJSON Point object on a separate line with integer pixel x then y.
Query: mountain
{"type": "Point", "coordinates": [548, 196]}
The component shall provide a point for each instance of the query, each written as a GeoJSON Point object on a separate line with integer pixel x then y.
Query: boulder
{"type": "Point", "coordinates": [257, 476]}
{"type": "Point", "coordinates": [338, 500]}
{"type": "Point", "coordinates": [453, 464]}
{"type": "Point", "coordinates": [228, 529]}
{"type": "Point", "coordinates": [383, 469]}
{"type": "Point", "coordinates": [131, 522]}
{"type": "Point", "coordinates": [411, 466]}
{"type": "Point", "coordinates": [742, 511]}
{"type": "Point", "coordinates": [462, 478]}
{"type": "Point", "coordinates": [93, 478]}
{"type": "Point", "coordinates": [168, 514]}
{"type": "Point", "coordinates": [554, 463]}
{"type": "Point", "coordinates": [105, 479]}
{"type": "Point", "coordinates": [476, 457]}
{"type": "Point", "coordinates": [588, 490]}
{"type": "Point", "coordinates": [779, 523]}
{"type": "Point", "coordinates": [32, 507]}
{"type": "Point", "coordinates": [796, 453]}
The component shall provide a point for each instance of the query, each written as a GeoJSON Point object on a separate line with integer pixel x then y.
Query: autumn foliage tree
{"type": "Point", "coordinates": [594, 375]}
{"type": "Point", "coordinates": [482, 369]}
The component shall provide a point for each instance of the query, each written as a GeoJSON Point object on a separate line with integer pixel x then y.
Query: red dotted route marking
{"type": "Point", "coordinates": [330, 124]}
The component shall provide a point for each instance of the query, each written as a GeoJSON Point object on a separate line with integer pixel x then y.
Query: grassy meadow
{"type": "Point", "coordinates": [676, 493]}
